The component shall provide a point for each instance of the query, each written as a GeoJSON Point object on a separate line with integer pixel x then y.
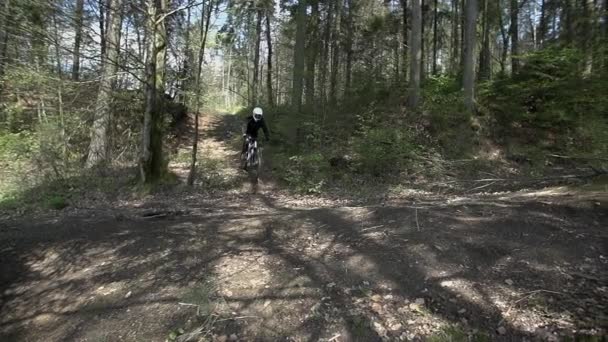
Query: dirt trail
{"type": "Point", "coordinates": [268, 267]}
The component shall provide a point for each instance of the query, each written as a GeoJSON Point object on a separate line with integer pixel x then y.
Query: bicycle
{"type": "Point", "coordinates": [253, 158]}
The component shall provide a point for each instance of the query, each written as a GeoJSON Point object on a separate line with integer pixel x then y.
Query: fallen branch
{"type": "Point", "coordinates": [417, 225]}
{"type": "Point", "coordinates": [580, 158]}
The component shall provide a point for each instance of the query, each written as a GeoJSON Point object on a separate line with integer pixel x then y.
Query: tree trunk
{"type": "Point", "coordinates": [103, 12]}
{"type": "Point", "coordinates": [205, 21]}
{"type": "Point", "coordinates": [485, 57]}
{"type": "Point", "coordinates": [298, 59]}
{"type": "Point", "coordinates": [469, 54]}
{"type": "Point", "coordinates": [335, 58]}
{"type": "Point", "coordinates": [542, 26]}
{"type": "Point", "coordinates": [588, 35]}
{"type": "Point", "coordinates": [151, 166]}
{"type": "Point", "coordinates": [455, 62]}
{"type": "Point", "coordinates": [99, 147]}
{"type": "Point", "coordinates": [78, 22]}
{"type": "Point", "coordinates": [269, 62]}
{"type": "Point", "coordinates": [406, 46]}
{"type": "Point", "coordinates": [185, 72]}
{"type": "Point", "coordinates": [514, 33]}
{"type": "Point", "coordinates": [435, 37]}
{"type": "Point", "coordinates": [566, 21]}
{"type": "Point", "coordinates": [311, 56]}
{"type": "Point", "coordinates": [256, 58]}
{"type": "Point", "coordinates": [415, 55]}
{"type": "Point", "coordinates": [325, 54]}
{"type": "Point", "coordinates": [603, 45]}
{"type": "Point", "coordinates": [422, 42]}
{"type": "Point", "coordinates": [505, 40]}
{"type": "Point", "coordinates": [6, 32]}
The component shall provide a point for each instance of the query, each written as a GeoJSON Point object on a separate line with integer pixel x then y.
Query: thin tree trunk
{"type": "Point", "coordinates": [422, 42]}
{"type": "Point", "coordinates": [99, 146]}
{"type": "Point", "coordinates": [102, 25]}
{"type": "Point", "coordinates": [406, 46]}
{"type": "Point", "coordinates": [469, 62]}
{"type": "Point", "coordinates": [415, 55]}
{"type": "Point", "coordinates": [185, 72]}
{"type": "Point", "coordinates": [299, 60]}
{"type": "Point", "coordinates": [505, 40]}
{"type": "Point", "coordinates": [6, 32]}
{"type": "Point", "coordinates": [514, 33]}
{"type": "Point", "coordinates": [78, 23]}
{"type": "Point", "coordinates": [542, 27]}
{"type": "Point", "coordinates": [311, 56]}
{"type": "Point", "coordinates": [435, 37]}
{"type": "Point", "coordinates": [566, 22]}
{"type": "Point", "coordinates": [485, 57]}
{"type": "Point", "coordinates": [325, 54]}
{"type": "Point", "coordinates": [455, 38]}
{"type": "Point", "coordinates": [335, 58]}
{"type": "Point", "coordinates": [201, 55]}
{"type": "Point", "coordinates": [269, 62]}
{"type": "Point", "coordinates": [256, 58]}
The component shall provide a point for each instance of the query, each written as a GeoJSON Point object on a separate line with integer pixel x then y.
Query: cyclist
{"type": "Point", "coordinates": [254, 123]}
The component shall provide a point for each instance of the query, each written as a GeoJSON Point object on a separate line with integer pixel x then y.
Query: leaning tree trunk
{"type": "Point", "coordinates": [298, 59]}
{"type": "Point", "coordinates": [469, 54]}
{"type": "Point", "coordinates": [78, 19]}
{"type": "Point", "coordinates": [201, 55]}
{"type": "Point", "coordinates": [415, 55]}
{"type": "Point", "coordinates": [98, 148]}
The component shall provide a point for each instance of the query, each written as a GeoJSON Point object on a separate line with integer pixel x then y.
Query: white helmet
{"type": "Point", "coordinates": [257, 113]}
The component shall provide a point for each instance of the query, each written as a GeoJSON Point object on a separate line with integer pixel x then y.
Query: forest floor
{"type": "Point", "coordinates": [269, 266]}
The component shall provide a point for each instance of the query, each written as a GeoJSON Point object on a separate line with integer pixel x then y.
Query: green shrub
{"type": "Point", "coordinates": [56, 202]}
{"type": "Point", "coordinates": [383, 151]}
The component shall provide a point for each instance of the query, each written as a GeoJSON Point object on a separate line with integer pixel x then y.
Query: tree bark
{"type": "Point", "coordinates": [335, 58]}
{"type": "Point", "coordinates": [415, 55]}
{"type": "Point", "coordinates": [469, 54]}
{"type": "Point", "coordinates": [99, 146]}
{"type": "Point", "coordinates": [406, 47]}
{"type": "Point", "coordinates": [455, 62]}
{"type": "Point", "coordinates": [542, 26]}
{"type": "Point", "coordinates": [151, 165]}
{"type": "Point", "coordinates": [505, 40]}
{"type": "Point", "coordinates": [78, 23]}
{"type": "Point", "coordinates": [6, 32]}
{"type": "Point", "coordinates": [485, 56]}
{"type": "Point", "coordinates": [256, 58]}
{"type": "Point", "coordinates": [422, 42]}
{"type": "Point", "coordinates": [299, 60]}
{"type": "Point", "coordinates": [435, 37]}
{"type": "Point", "coordinates": [325, 54]}
{"type": "Point", "coordinates": [311, 56]}
{"type": "Point", "coordinates": [349, 49]}
{"type": "Point", "coordinates": [269, 62]}
{"type": "Point", "coordinates": [514, 33]}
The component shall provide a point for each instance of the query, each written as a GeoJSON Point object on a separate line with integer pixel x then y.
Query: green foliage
{"type": "Point", "coordinates": [550, 104]}
{"type": "Point", "coordinates": [384, 151]}
{"type": "Point", "coordinates": [56, 202]}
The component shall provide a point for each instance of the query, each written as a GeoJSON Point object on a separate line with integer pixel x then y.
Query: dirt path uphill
{"type": "Point", "coordinates": [260, 267]}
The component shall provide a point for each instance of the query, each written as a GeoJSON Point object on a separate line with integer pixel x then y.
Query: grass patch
{"type": "Point", "coordinates": [455, 333]}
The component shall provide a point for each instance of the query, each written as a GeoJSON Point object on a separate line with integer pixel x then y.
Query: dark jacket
{"type": "Point", "coordinates": [254, 126]}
